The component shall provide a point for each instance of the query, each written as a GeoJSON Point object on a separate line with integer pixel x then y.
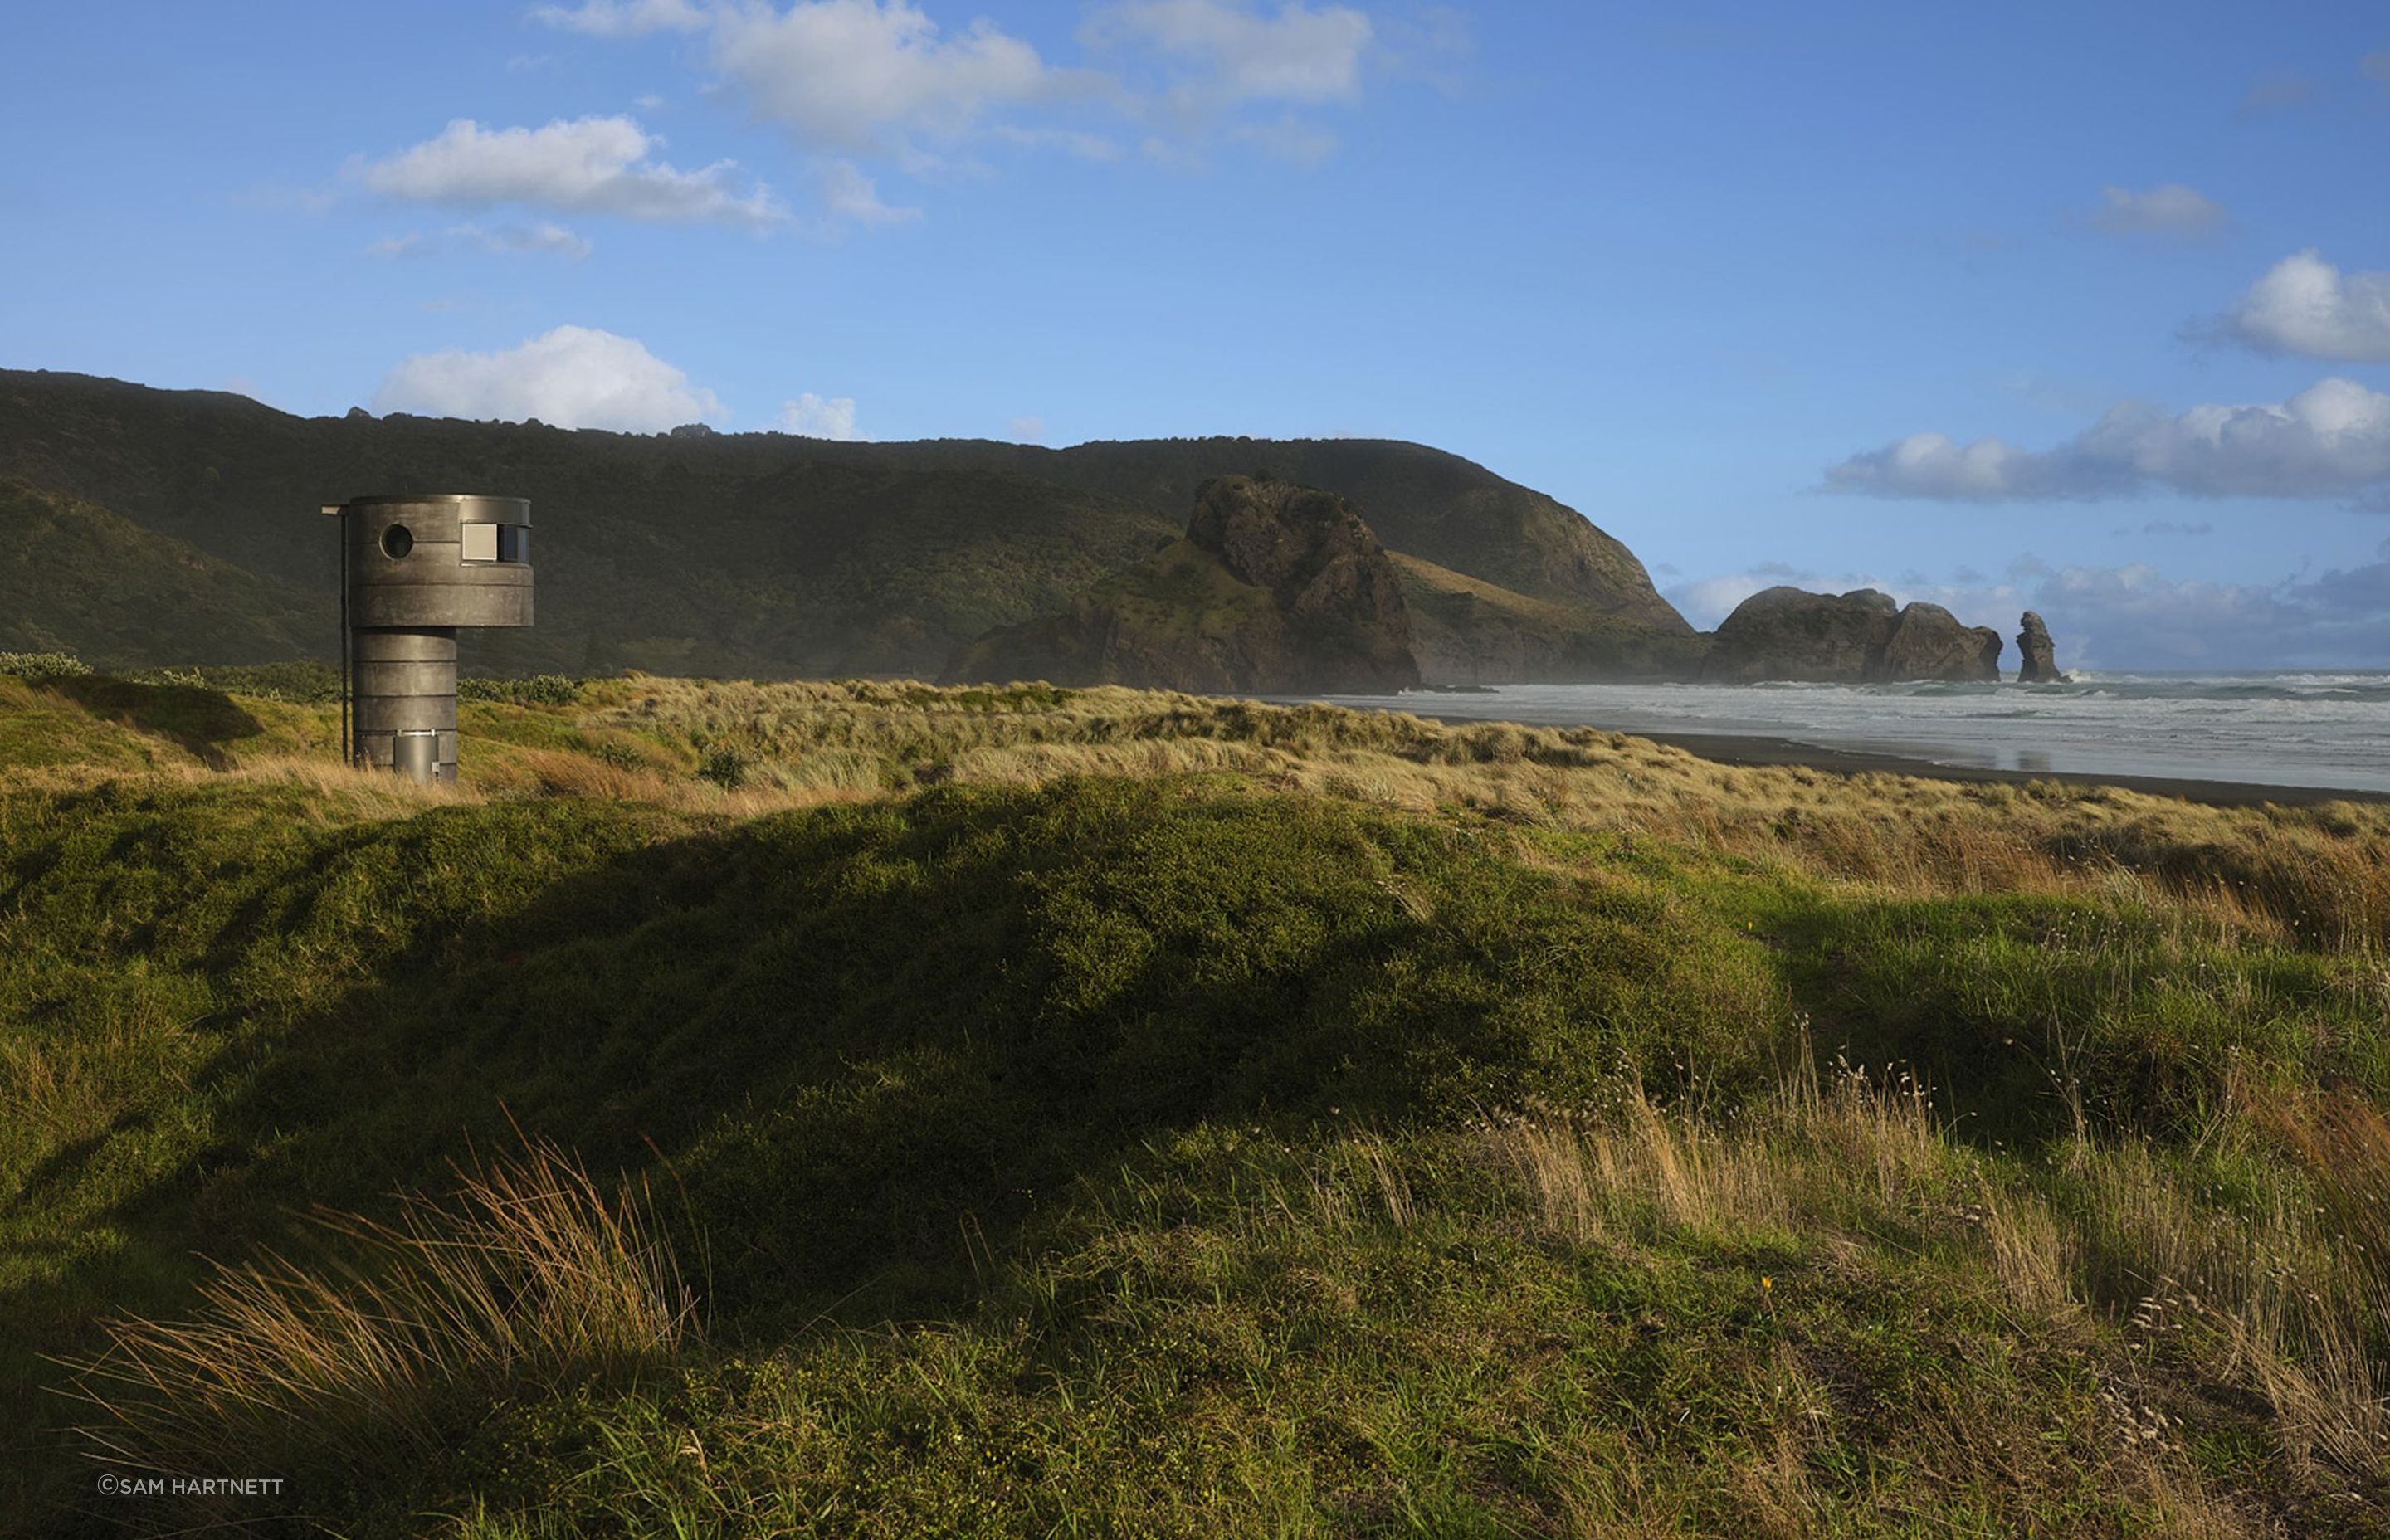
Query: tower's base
{"type": "Point", "coordinates": [405, 679]}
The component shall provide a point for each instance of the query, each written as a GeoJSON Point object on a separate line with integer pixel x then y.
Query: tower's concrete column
{"type": "Point", "coordinates": [405, 679]}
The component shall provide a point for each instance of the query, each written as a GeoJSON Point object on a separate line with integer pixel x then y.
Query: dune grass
{"type": "Point", "coordinates": [338, 1369]}
{"type": "Point", "coordinates": [1094, 1111]}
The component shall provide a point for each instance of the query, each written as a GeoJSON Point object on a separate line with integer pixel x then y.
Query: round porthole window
{"type": "Point", "coordinates": [396, 541]}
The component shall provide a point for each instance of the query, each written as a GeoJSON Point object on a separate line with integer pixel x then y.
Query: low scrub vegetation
{"type": "Point", "coordinates": [1093, 1110]}
{"type": "Point", "coordinates": [38, 666]}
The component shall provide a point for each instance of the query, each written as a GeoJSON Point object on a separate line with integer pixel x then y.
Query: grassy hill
{"type": "Point", "coordinates": [757, 553]}
{"type": "Point", "coordinates": [81, 579]}
{"type": "Point", "coordinates": [1028, 1110]}
{"type": "Point", "coordinates": [1422, 501]}
{"type": "Point", "coordinates": [1466, 631]}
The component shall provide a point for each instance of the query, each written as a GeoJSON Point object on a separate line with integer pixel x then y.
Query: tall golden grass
{"type": "Point", "coordinates": [528, 1280]}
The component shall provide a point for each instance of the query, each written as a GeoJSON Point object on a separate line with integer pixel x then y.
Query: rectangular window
{"type": "Point", "coordinates": [496, 543]}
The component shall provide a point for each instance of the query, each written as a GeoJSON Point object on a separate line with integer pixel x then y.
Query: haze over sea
{"type": "Point", "coordinates": [2308, 729]}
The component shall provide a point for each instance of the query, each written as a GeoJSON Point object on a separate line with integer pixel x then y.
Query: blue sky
{"type": "Point", "coordinates": [2086, 308]}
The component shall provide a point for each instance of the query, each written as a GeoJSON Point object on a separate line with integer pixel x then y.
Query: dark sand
{"type": "Point", "coordinates": [1731, 749]}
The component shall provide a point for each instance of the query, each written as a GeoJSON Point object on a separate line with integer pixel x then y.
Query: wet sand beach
{"type": "Point", "coordinates": [1736, 749]}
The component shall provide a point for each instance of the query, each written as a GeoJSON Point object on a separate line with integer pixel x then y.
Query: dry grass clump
{"type": "Point", "coordinates": [2316, 1337]}
{"type": "Point", "coordinates": [2345, 1142]}
{"type": "Point", "coordinates": [554, 773]}
{"type": "Point", "coordinates": [1843, 1146]}
{"type": "Point", "coordinates": [333, 794]}
{"type": "Point", "coordinates": [345, 792]}
{"type": "Point", "coordinates": [531, 1279]}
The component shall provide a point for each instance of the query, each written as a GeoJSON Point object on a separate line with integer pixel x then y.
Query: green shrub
{"type": "Point", "coordinates": [621, 755]}
{"type": "Point", "coordinates": [540, 689]}
{"type": "Point", "coordinates": [725, 767]}
{"type": "Point", "coordinates": [305, 683]}
{"type": "Point", "coordinates": [37, 666]}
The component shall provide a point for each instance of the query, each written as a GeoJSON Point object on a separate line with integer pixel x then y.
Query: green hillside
{"type": "Point", "coordinates": [1053, 1111]}
{"type": "Point", "coordinates": [80, 579]}
{"type": "Point", "coordinates": [755, 553]}
{"type": "Point", "coordinates": [1420, 501]}
{"type": "Point", "coordinates": [1466, 631]}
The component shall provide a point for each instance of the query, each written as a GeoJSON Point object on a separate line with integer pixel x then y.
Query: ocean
{"type": "Point", "coordinates": [2313, 729]}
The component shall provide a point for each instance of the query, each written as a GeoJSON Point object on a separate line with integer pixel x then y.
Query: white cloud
{"type": "Point", "coordinates": [1706, 601]}
{"type": "Point", "coordinates": [1299, 54]}
{"type": "Point", "coordinates": [2306, 306]}
{"type": "Point", "coordinates": [2172, 210]}
{"type": "Point", "coordinates": [625, 18]}
{"type": "Point", "coordinates": [1079, 142]}
{"type": "Point", "coordinates": [1289, 138]}
{"type": "Point", "coordinates": [857, 75]}
{"type": "Point", "coordinates": [587, 165]}
{"type": "Point", "coordinates": [574, 377]}
{"type": "Point", "coordinates": [1934, 465]}
{"type": "Point", "coordinates": [814, 417]}
{"type": "Point", "coordinates": [2330, 439]}
{"type": "Point", "coordinates": [545, 236]}
{"type": "Point", "coordinates": [541, 237]}
{"type": "Point", "coordinates": [1029, 429]}
{"type": "Point", "coordinates": [866, 78]}
{"type": "Point", "coordinates": [847, 194]}
{"type": "Point", "coordinates": [2135, 616]}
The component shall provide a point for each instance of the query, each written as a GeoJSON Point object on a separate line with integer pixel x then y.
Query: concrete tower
{"type": "Point", "coordinates": [411, 570]}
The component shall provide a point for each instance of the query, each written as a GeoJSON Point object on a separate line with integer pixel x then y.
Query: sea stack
{"type": "Point", "coordinates": [2040, 653]}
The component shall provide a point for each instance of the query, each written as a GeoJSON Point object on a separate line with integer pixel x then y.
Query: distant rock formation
{"type": "Point", "coordinates": [2039, 652]}
{"type": "Point", "coordinates": [1275, 589]}
{"type": "Point", "coordinates": [1864, 636]}
{"type": "Point", "coordinates": [1930, 643]}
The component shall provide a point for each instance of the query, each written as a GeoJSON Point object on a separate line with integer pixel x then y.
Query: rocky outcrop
{"type": "Point", "coordinates": [2040, 653]}
{"type": "Point", "coordinates": [1276, 589]}
{"type": "Point", "coordinates": [1930, 643]}
{"type": "Point", "coordinates": [1863, 636]}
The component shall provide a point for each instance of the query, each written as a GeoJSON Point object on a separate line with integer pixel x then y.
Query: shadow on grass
{"type": "Point", "coordinates": [198, 719]}
{"type": "Point", "coordinates": [842, 1040]}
